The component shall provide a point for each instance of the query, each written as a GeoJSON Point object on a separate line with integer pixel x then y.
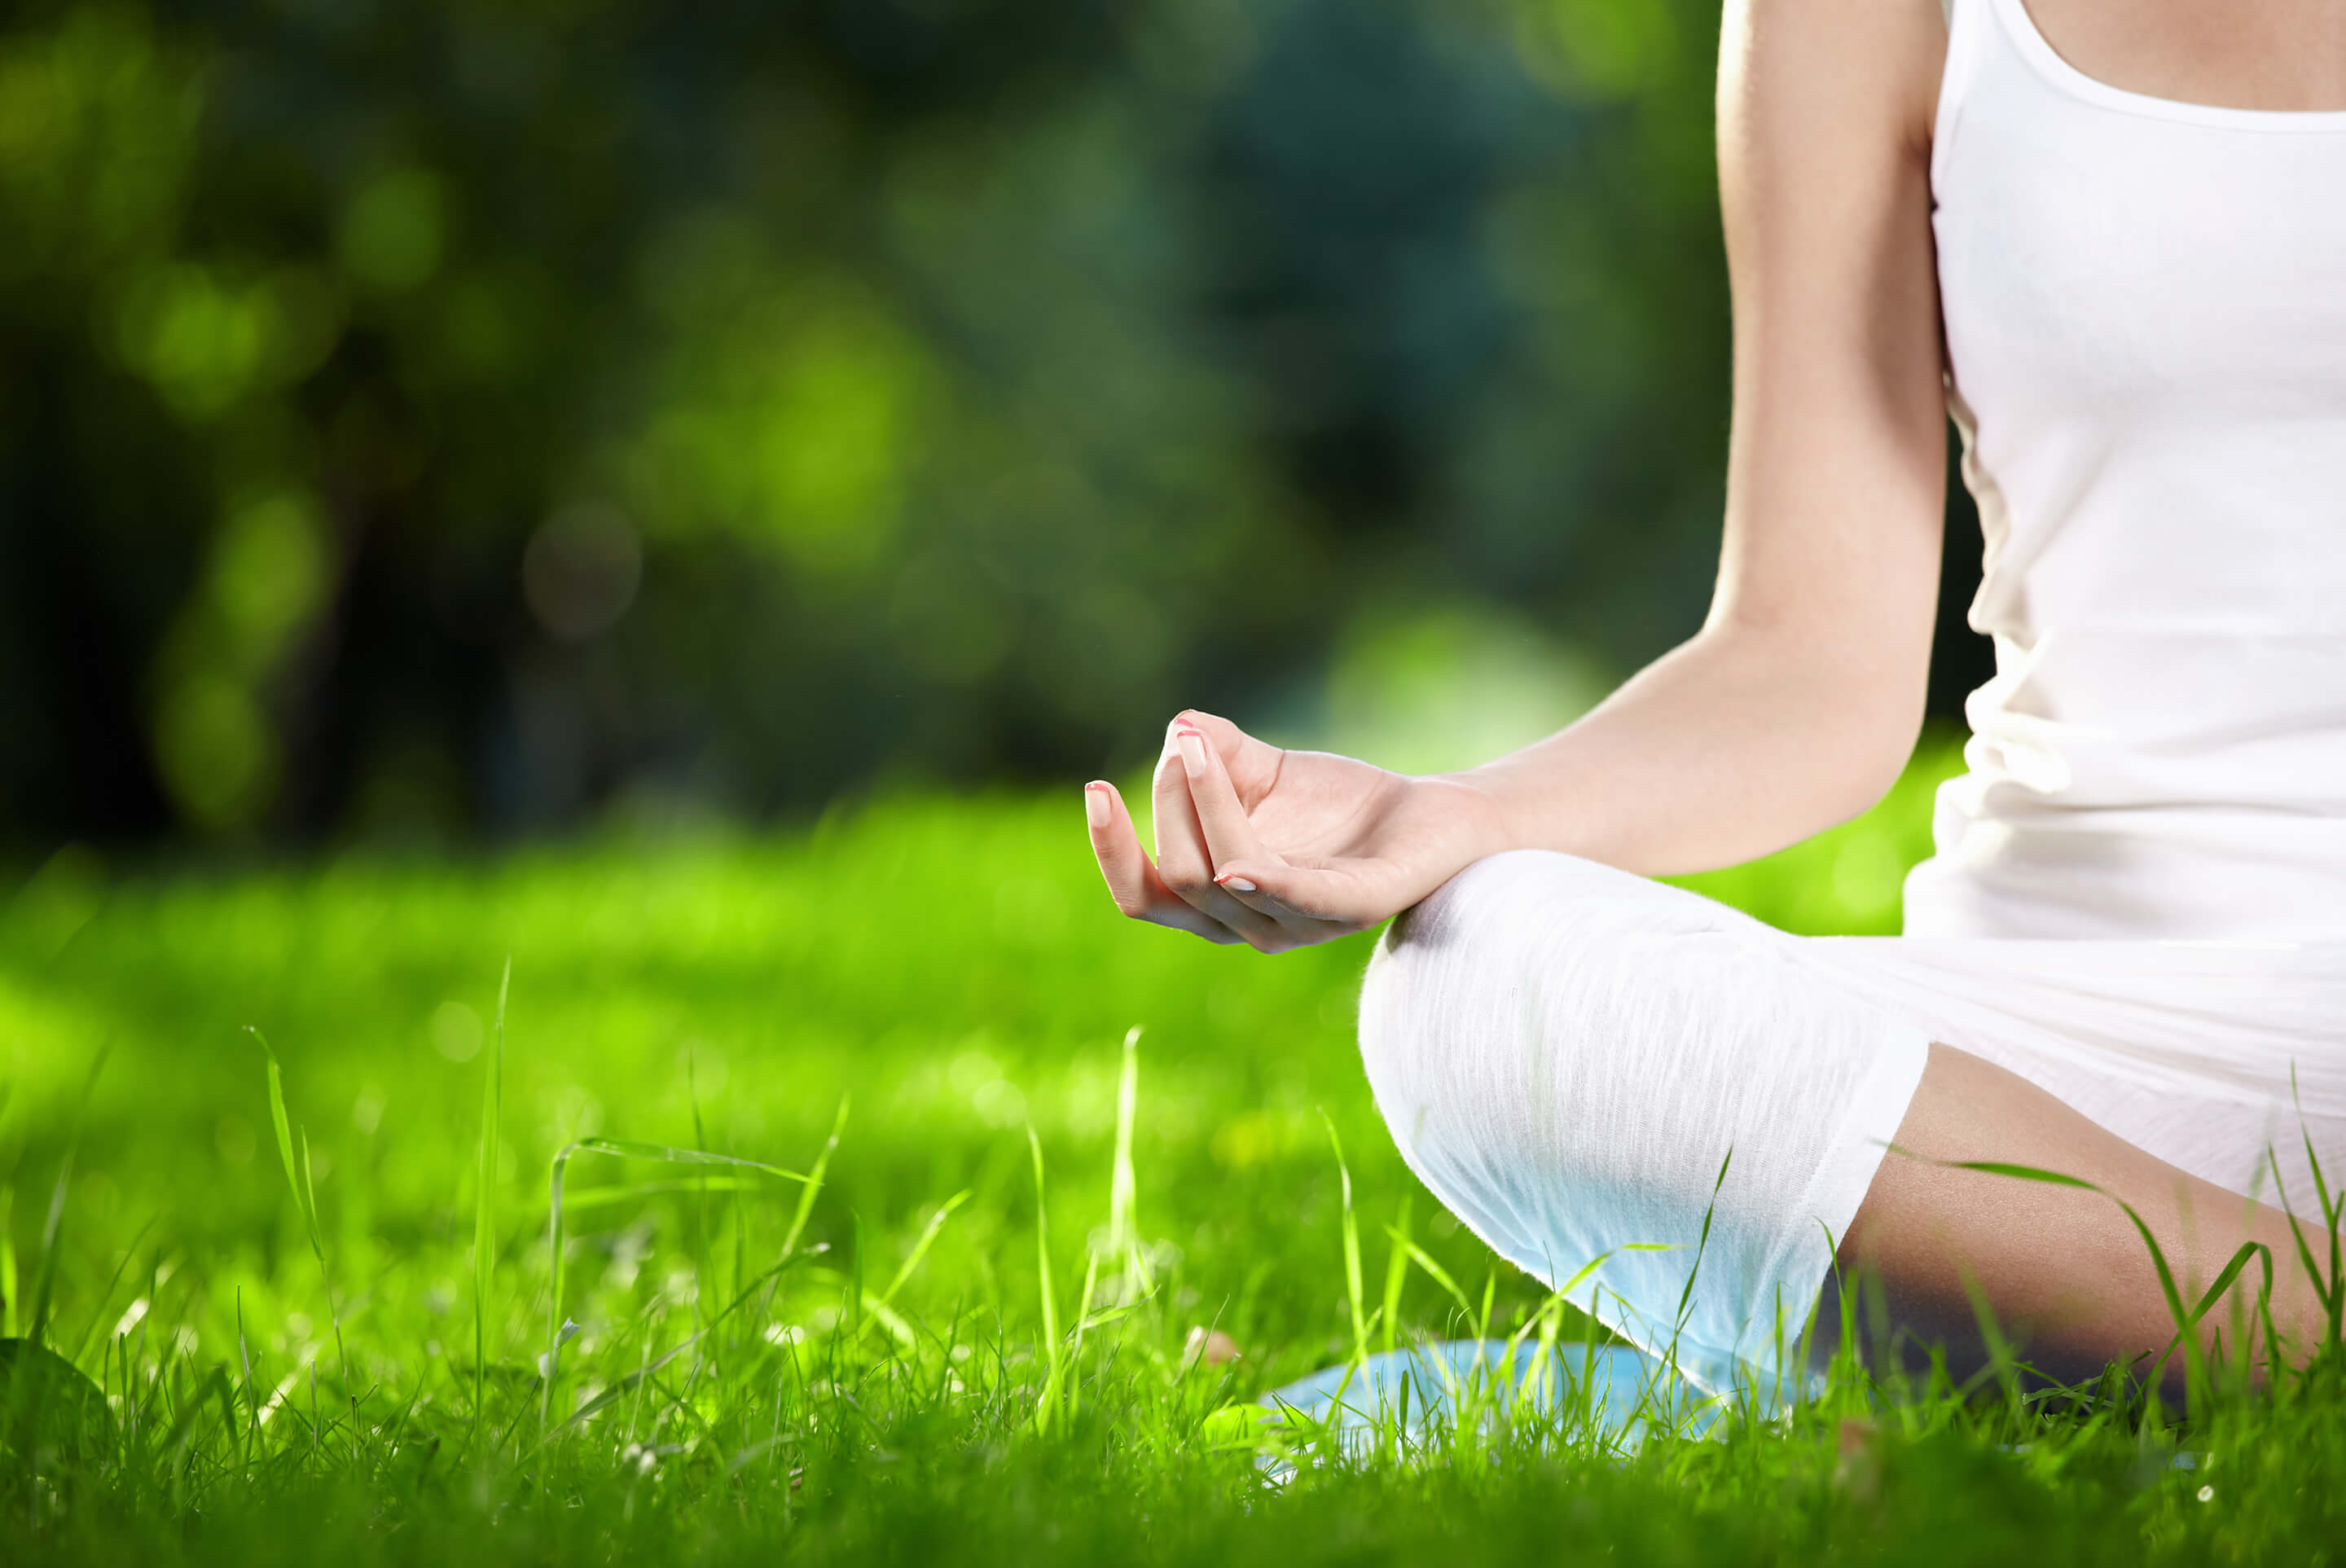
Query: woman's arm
{"type": "Point", "coordinates": [1796, 705]}
{"type": "Point", "coordinates": [1798, 702]}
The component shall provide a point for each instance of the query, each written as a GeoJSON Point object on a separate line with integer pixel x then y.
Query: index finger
{"type": "Point", "coordinates": [1131, 876]}
{"type": "Point", "coordinates": [1228, 833]}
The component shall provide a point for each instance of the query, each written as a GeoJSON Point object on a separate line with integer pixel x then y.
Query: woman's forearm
{"type": "Point", "coordinates": [1731, 747]}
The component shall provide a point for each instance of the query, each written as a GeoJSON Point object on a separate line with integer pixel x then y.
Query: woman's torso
{"type": "Point", "coordinates": [2145, 314]}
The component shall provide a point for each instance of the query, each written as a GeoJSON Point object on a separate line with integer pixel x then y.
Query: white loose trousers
{"type": "Point", "coordinates": [1566, 1054]}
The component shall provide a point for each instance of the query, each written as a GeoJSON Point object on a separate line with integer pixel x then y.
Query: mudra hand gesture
{"type": "Point", "coordinates": [1281, 849]}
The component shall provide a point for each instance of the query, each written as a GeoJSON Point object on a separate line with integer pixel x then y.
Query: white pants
{"type": "Point", "coordinates": [1567, 1054]}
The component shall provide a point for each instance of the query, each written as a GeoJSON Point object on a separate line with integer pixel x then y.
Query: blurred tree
{"type": "Point", "coordinates": [441, 417]}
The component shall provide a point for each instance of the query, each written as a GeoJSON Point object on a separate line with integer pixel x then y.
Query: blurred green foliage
{"type": "Point", "coordinates": [427, 418]}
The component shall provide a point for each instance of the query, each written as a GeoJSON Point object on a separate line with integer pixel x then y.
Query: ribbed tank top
{"type": "Point", "coordinates": [2144, 304]}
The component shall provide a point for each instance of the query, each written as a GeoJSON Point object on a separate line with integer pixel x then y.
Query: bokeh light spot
{"type": "Point", "coordinates": [455, 1031]}
{"type": "Point", "coordinates": [269, 570]}
{"type": "Point", "coordinates": [199, 339]}
{"type": "Point", "coordinates": [580, 571]}
{"type": "Point", "coordinates": [1599, 50]}
{"type": "Point", "coordinates": [1426, 688]}
{"type": "Point", "coordinates": [394, 229]}
{"type": "Point", "coordinates": [216, 751]}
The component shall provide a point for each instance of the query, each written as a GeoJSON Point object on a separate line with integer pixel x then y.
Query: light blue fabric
{"type": "Point", "coordinates": [1605, 1397]}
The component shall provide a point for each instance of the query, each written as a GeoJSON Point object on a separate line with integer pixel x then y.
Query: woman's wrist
{"type": "Point", "coordinates": [1523, 804]}
{"type": "Point", "coordinates": [1480, 815]}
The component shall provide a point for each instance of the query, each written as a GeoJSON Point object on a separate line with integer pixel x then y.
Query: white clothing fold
{"type": "Point", "coordinates": [2146, 328]}
{"type": "Point", "coordinates": [1567, 1055]}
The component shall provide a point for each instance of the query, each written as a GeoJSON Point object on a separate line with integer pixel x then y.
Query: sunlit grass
{"type": "Point", "coordinates": [811, 1197]}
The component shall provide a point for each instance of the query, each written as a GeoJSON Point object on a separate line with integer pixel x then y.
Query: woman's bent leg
{"type": "Point", "coordinates": [1571, 1056]}
{"type": "Point", "coordinates": [1583, 1064]}
{"type": "Point", "coordinates": [2065, 1270]}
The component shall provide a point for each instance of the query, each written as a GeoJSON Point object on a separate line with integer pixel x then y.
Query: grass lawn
{"type": "Point", "coordinates": [868, 1370]}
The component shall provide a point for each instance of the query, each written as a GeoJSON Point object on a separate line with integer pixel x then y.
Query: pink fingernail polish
{"type": "Point", "coordinates": [1095, 804]}
{"type": "Point", "coordinates": [1236, 884]}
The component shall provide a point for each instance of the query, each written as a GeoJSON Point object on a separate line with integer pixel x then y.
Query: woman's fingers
{"type": "Point", "coordinates": [1185, 861]}
{"type": "Point", "coordinates": [1252, 765]}
{"type": "Point", "coordinates": [1212, 873]}
{"type": "Point", "coordinates": [1132, 881]}
{"type": "Point", "coordinates": [1116, 846]}
{"type": "Point", "coordinates": [1307, 897]}
{"type": "Point", "coordinates": [1228, 833]}
{"type": "Point", "coordinates": [1221, 820]}
{"type": "Point", "coordinates": [1244, 867]}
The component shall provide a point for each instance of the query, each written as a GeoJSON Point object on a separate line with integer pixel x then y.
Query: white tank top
{"type": "Point", "coordinates": [2145, 317]}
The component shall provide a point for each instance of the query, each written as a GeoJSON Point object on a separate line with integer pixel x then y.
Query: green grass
{"type": "Point", "coordinates": [831, 1301]}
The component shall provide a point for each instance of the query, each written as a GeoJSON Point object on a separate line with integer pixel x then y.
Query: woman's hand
{"type": "Point", "coordinates": [1281, 849]}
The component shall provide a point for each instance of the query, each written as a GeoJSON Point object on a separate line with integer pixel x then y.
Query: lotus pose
{"type": "Point", "coordinates": [2110, 241]}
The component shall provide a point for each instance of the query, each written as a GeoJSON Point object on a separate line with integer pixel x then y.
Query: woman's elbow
{"type": "Point", "coordinates": [1877, 731]}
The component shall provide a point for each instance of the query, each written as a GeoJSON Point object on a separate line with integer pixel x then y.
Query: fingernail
{"type": "Point", "coordinates": [1236, 884]}
{"type": "Point", "coordinates": [1095, 804]}
{"type": "Point", "coordinates": [1193, 749]}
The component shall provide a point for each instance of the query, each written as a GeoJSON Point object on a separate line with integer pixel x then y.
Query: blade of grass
{"type": "Point", "coordinates": [1702, 1243]}
{"type": "Point", "coordinates": [1669, 1357]}
{"type": "Point", "coordinates": [44, 1280]}
{"type": "Point", "coordinates": [2002, 1363]}
{"type": "Point", "coordinates": [1123, 1197]}
{"type": "Point", "coordinates": [920, 1247]}
{"type": "Point", "coordinates": [90, 1332]}
{"type": "Point", "coordinates": [305, 1197]}
{"type": "Point", "coordinates": [2325, 1290]}
{"type": "Point", "coordinates": [1082, 1321]}
{"type": "Point", "coordinates": [1353, 1292]}
{"type": "Point", "coordinates": [629, 1384]}
{"type": "Point", "coordinates": [1046, 1406]}
{"type": "Point", "coordinates": [1433, 1270]}
{"type": "Point", "coordinates": [814, 1182]}
{"type": "Point", "coordinates": [282, 1123]}
{"type": "Point", "coordinates": [2194, 1358]}
{"type": "Point", "coordinates": [2333, 1209]}
{"type": "Point", "coordinates": [669, 1154]}
{"type": "Point", "coordinates": [485, 1216]}
{"type": "Point", "coordinates": [1396, 1273]}
{"type": "Point", "coordinates": [251, 1390]}
{"type": "Point", "coordinates": [629, 1191]}
{"type": "Point", "coordinates": [617, 1148]}
{"type": "Point", "coordinates": [8, 1301]}
{"type": "Point", "coordinates": [2231, 1271]}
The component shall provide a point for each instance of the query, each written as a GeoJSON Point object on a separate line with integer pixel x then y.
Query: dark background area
{"type": "Point", "coordinates": [429, 421]}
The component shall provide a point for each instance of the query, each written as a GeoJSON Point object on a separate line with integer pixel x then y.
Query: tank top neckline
{"type": "Point", "coordinates": [2047, 61]}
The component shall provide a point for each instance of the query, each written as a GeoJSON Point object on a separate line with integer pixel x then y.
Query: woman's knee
{"type": "Point", "coordinates": [1569, 1056]}
{"type": "Point", "coordinates": [1502, 997]}
{"type": "Point", "coordinates": [1509, 926]}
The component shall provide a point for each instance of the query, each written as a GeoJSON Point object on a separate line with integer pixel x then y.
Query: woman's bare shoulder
{"type": "Point", "coordinates": [1866, 65]}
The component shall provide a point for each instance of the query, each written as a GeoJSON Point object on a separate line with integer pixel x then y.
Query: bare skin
{"type": "Point", "coordinates": [2284, 55]}
{"type": "Point", "coordinates": [1798, 700]}
{"type": "Point", "coordinates": [2068, 1274]}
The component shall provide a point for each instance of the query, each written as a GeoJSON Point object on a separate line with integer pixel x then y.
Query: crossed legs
{"type": "Point", "coordinates": [1619, 1085]}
